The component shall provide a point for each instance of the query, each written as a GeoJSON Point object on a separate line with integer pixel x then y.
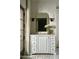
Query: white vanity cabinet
{"type": "Point", "coordinates": [44, 44]}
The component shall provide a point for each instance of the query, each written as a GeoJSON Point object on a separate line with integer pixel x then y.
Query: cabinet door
{"type": "Point", "coordinates": [33, 44]}
{"type": "Point", "coordinates": [43, 44]}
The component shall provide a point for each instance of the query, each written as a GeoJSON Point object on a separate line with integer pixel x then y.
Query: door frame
{"type": "Point", "coordinates": [22, 52]}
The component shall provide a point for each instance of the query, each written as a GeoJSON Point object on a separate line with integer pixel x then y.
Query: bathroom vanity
{"type": "Point", "coordinates": [42, 44]}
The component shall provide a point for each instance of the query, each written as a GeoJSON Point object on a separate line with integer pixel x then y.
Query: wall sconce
{"type": "Point", "coordinates": [52, 19]}
{"type": "Point", "coordinates": [32, 19]}
{"type": "Point", "coordinates": [57, 7]}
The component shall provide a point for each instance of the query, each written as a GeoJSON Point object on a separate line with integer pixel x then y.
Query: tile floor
{"type": "Point", "coordinates": [43, 56]}
{"type": "Point", "coordinates": [47, 56]}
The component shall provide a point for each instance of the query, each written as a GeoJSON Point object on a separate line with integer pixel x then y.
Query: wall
{"type": "Point", "coordinates": [45, 6]}
{"type": "Point", "coordinates": [23, 3]}
{"type": "Point", "coordinates": [57, 27]}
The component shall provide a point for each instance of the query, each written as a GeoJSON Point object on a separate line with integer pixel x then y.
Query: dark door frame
{"type": "Point", "coordinates": [23, 51]}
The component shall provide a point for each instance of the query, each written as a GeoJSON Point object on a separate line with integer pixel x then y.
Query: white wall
{"type": "Point", "coordinates": [45, 6]}
{"type": "Point", "coordinates": [57, 27]}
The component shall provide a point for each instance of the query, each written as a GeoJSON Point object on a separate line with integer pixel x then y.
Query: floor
{"type": "Point", "coordinates": [43, 56]}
